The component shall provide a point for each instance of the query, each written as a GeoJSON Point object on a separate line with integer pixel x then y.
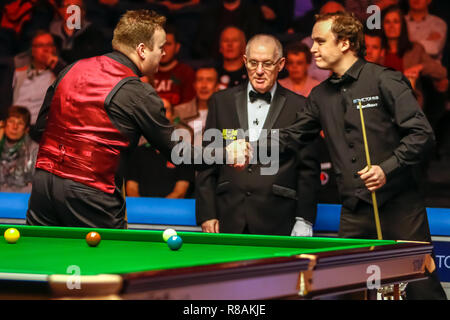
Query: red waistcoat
{"type": "Point", "coordinates": [80, 142]}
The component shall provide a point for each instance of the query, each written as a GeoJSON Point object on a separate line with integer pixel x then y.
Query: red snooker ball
{"type": "Point", "coordinates": [93, 239]}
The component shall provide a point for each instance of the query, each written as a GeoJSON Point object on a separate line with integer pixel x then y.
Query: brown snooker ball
{"type": "Point", "coordinates": [93, 239]}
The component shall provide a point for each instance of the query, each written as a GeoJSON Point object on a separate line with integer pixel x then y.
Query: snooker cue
{"type": "Point", "coordinates": [374, 198]}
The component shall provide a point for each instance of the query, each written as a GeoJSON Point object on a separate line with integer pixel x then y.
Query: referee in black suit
{"type": "Point", "coordinates": [249, 201]}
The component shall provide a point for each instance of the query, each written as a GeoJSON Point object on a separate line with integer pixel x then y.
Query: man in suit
{"type": "Point", "coordinates": [249, 201]}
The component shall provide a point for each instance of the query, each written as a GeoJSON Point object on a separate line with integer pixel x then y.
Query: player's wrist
{"type": "Point", "coordinates": [390, 165]}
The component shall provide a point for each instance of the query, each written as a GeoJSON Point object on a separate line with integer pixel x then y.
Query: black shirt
{"type": "Point", "coordinates": [155, 175]}
{"type": "Point", "coordinates": [398, 133]}
{"type": "Point", "coordinates": [228, 79]}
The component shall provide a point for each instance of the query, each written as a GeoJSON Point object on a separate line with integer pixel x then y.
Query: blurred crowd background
{"type": "Point", "coordinates": [205, 43]}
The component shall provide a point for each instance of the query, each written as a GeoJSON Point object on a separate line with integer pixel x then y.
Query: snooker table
{"type": "Point", "coordinates": [56, 262]}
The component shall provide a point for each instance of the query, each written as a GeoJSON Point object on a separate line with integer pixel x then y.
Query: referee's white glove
{"type": "Point", "coordinates": [302, 228]}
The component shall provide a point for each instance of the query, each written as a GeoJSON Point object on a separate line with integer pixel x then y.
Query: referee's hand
{"type": "Point", "coordinates": [211, 226]}
{"type": "Point", "coordinates": [239, 153]}
{"type": "Point", "coordinates": [374, 178]}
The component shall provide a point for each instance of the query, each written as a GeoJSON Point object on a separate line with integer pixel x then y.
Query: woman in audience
{"type": "Point", "coordinates": [408, 57]}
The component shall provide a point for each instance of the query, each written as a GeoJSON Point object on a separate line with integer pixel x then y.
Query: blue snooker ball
{"type": "Point", "coordinates": [175, 242]}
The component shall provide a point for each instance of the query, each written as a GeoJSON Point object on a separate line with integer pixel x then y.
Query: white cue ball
{"type": "Point", "coordinates": [168, 233]}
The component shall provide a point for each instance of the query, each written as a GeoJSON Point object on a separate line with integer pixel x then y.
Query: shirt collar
{"type": "Point", "coordinates": [123, 59]}
{"type": "Point", "coordinates": [353, 72]}
{"type": "Point", "coordinates": [32, 71]}
{"type": "Point", "coordinates": [272, 90]}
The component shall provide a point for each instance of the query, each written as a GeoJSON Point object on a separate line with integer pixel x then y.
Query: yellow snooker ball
{"type": "Point", "coordinates": [12, 235]}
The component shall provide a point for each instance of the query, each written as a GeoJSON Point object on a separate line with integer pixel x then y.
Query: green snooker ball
{"type": "Point", "coordinates": [12, 235]}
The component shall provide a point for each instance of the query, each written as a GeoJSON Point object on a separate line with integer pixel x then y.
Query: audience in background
{"type": "Point", "coordinates": [276, 15]}
{"type": "Point", "coordinates": [404, 55]}
{"type": "Point", "coordinates": [15, 14]}
{"type": "Point", "coordinates": [73, 42]}
{"type": "Point", "coordinates": [359, 7]}
{"type": "Point", "coordinates": [298, 59]}
{"type": "Point", "coordinates": [22, 18]}
{"type": "Point", "coordinates": [238, 13]}
{"type": "Point", "coordinates": [408, 57]}
{"type": "Point", "coordinates": [303, 15]}
{"type": "Point", "coordinates": [194, 112]}
{"type": "Point", "coordinates": [172, 5]}
{"type": "Point", "coordinates": [174, 79]}
{"type": "Point", "coordinates": [6, 80]}
{"type": "Point", "coordinates": [31, 81]}
{"type": "Point", "coordinates": [232, 71]}
{"type": "Point", "coordinates": [427, 76]}
{"type": "Point", "coordinates": [17, 152]}
{"type": "Point", "coordinates": [427, 29]}
{"type": "Point", "coordinates": [374, 46]}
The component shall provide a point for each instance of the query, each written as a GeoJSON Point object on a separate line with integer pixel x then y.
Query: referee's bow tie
{"type": "Point", "coordinates": [263, 96]}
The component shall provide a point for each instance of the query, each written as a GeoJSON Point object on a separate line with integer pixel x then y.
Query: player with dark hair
{"type": "Point", "coordinates": [398, 138]}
